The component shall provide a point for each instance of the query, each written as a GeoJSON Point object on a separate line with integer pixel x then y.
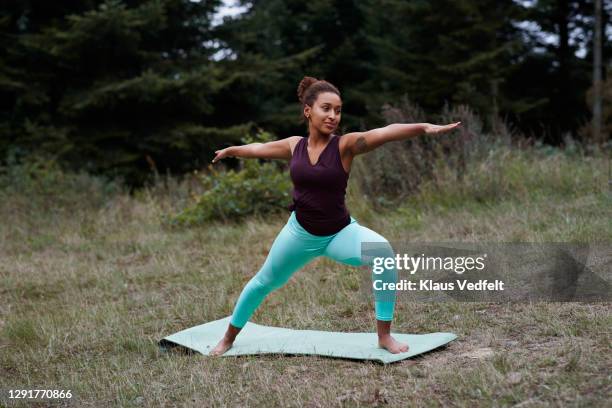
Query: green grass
{"type": "Point", "coordinates": [87, 292]}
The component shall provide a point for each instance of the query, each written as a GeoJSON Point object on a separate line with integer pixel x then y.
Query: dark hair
{"type": "Point", "coordinates": [309, 89]}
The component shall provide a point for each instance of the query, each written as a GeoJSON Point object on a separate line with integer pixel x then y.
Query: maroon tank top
{"type": "Point", "coordinates": [319, 190]}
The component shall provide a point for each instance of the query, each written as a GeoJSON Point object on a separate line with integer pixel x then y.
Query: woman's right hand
{"type": "Point", "coordinates": [220, 154]}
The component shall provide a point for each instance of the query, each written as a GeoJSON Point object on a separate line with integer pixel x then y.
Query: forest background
{"type": "Point", "coordinates": [132, 88]}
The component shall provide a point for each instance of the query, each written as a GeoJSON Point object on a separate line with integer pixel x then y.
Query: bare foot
{"type": "Point", "coordinates": [221, 347]}
{"type": "Point", "coordinates": [390, 344]}
{"type": "Point", "coordinates": [227, 341]}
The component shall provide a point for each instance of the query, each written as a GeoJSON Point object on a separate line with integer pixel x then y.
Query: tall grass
{"type": "Point", "coordinates": [474, 164]}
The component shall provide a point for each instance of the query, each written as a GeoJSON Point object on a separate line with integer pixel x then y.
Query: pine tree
{"type": "Point", "coordinates": [443, 51]}
{"type": "Point", "coordinates": [563, 77]}
{"type": "Point", "coordinates": [320, 38]}
{"type": "Point", "coordinates": [120, 88]}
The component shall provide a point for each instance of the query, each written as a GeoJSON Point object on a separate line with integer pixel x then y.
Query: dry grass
{"type": "Point", "coordinates": [87, 291]}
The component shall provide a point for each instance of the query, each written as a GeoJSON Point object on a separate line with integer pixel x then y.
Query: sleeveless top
{"type": "Point", "coordinates": [319, 190]}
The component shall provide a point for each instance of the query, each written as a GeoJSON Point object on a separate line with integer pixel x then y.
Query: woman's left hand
{"type": "Point", "coordinates": [437, 129]}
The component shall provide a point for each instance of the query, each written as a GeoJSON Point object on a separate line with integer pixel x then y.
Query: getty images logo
{"type": "Point", "coordinates": [458, 264]}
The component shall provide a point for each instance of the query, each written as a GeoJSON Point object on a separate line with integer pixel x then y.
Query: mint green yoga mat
{"type": "Point", "coordinates": [258, 339]}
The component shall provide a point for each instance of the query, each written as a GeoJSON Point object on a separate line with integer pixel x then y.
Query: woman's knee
{"type": "Point", "coordinates": [372, 239]}
{"type": "Point", "coordinates": [258, 287]}
{"type": "Point", "coordinates": [268, 280]}
{"type": "Point", "coordinates": [377, 251]}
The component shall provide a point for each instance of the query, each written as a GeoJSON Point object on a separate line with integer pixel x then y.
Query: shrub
{"type": "Point", "coordinates": [257, 188]}
{"type": "Point", "coordinates": [396, 171]}
{"type": "Point", "coordinates": [43, 184]}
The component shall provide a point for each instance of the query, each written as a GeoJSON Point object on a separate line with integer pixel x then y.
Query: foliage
{"type": "Point", "coordinates": [114, 88]}
{"type": "Point", "coordinates": [396, 171]}
{"type": "Point", "coordinates": [40, 182]}
{"type": "Point", "coordinates": [257, 188]}
{"type": "Point", "coordinates": [131, 88]}
{"type": "Point", "coordinates": [469, 163]}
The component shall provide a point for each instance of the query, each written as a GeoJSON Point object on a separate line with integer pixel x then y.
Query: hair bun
{"type": "Point", "coordinates": [303, 86]}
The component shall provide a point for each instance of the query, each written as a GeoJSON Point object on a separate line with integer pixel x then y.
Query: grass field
{"type": "Point", "coordinates": [90, 285]}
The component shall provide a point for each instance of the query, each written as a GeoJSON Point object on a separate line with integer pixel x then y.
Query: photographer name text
{"type": "Point", "coordinates": [430, 285]}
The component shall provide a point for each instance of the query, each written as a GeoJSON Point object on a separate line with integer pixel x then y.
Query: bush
{"type": "Point", "coordinates": [44, 184]}
{"type": "Point", "coordinates": [396, 171]}
{"type": "Point", "coordinates": [258, 188]}
{"type": "Point", "coordinates": [517, 174]}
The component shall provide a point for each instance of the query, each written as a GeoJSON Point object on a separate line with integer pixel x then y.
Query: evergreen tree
{"type": "Point", "coordinates": [444, 51]}
{"type": "Point", "coordinates": [557, 77]}
{"type": "Point", "coordinates": [119, 88]}
{"type": "Point", "coordinates": [320, 38]}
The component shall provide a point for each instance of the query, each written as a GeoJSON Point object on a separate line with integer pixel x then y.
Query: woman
{"type": "Point", "coordinates": [320, 224]}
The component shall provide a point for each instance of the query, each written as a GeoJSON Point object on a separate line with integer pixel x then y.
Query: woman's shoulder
{"type": "Point", "coordinates": [293, 141]}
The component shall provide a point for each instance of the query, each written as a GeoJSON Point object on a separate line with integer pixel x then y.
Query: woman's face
{"type": "Point", "coordinates": [325, 113]}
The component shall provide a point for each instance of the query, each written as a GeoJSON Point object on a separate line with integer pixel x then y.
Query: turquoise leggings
{"type": "Point", "coordinates": [294, 247]}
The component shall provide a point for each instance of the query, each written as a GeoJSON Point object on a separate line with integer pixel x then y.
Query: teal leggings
{"type": "Point", "coordinates": [294, 247]}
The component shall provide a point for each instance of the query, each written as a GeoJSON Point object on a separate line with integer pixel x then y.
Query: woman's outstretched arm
{"type": "Point", "coordinates": [278, 149]}
{"type": "Point", "coordinates": [363, 142]}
